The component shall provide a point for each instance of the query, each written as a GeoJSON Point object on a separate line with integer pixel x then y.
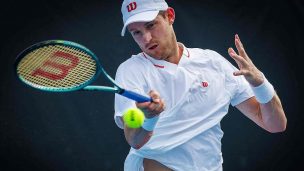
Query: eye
{"type": "Point", "coordinates": [135, 33]}
{"type": "Point", "coordinates": [150, 25]}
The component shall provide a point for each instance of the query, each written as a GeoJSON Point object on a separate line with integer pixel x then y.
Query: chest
{"type": "Point", "coordinates": [205, 85]}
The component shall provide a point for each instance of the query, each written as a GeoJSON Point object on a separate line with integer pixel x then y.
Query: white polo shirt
{"type": "Point", "coordinates": [197, 93]}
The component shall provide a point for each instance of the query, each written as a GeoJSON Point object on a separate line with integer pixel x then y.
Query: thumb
{"type": "Point", "coordinates": [155, 96]}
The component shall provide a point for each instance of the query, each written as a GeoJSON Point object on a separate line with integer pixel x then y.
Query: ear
{"type": "Point", "coordinates": [171, 15]}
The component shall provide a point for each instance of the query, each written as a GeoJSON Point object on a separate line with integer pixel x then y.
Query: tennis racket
{"type": "Point", "coordinates": [64, 66]}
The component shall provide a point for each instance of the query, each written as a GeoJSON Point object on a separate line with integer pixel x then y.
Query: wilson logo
{"type": "Point", "coordinates": [52, 64]}
{"type": "Point", "coordinates": [205, 84]}
{"type": "Point", "coordinates": [132, 6]}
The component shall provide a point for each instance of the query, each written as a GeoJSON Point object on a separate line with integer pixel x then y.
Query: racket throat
{"type": "Point", "coordinates": [100, 88]}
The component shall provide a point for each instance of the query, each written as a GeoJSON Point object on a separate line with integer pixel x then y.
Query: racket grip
{"type": "Point", "coordinates": [135, 96]}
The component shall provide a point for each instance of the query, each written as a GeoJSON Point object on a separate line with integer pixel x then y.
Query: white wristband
{"type": "Point", "coordinates": [264, 92]}
{"type": "Point", "coordinates": [149, 123]}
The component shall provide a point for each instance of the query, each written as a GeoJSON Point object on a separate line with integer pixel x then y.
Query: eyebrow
{"type": "Point", "coordinates": [147, 23]}
{"type": "Point", "coordinates": [130, 30]}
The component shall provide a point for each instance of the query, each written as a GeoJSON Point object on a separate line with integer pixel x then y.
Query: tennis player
{"type": "Point", "coordinates": [191, 89]}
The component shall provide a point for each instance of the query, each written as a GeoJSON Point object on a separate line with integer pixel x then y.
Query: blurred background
{"type": "Point", "coordinates": [76, 131]}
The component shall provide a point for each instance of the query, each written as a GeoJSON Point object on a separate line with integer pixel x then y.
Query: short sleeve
{"type": "Point", "coordinates": [237, 86]}
{"type": "Point", "coordinates": [129, 77]}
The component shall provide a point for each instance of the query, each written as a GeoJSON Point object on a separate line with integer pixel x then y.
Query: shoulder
{"type": "Point", "coordinates": [207, 58]}
{"type": "Point", "coordinates": [135, 63]}
{"type": "Point", "coordinates": [137, 67]}
{"type": "Point", "coordinates": [208, 54]}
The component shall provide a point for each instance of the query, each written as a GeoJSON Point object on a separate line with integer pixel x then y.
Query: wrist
{"type": "Point", "coordinates": [258, 80]}
{"type": "Point", "coordinates": [264, 92]}
{"type": "Point", "coordinates": [150, 123]}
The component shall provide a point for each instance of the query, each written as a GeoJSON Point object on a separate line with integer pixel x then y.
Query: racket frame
{"type": "Point", "coordinates": [86, 86]}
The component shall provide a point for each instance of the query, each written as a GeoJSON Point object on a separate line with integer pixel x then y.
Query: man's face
{"type": "Point", "coordinates": [155, 38]}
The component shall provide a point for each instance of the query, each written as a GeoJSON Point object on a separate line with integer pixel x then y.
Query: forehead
{"type": "Point", "coordinates": [138, 25]}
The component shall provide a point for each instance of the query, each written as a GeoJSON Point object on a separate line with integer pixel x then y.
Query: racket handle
{"type": "Point", "coordinates": [135, 96]}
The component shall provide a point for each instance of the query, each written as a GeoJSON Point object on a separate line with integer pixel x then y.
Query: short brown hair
{"type": "Point", "coordinates": [162, 13]}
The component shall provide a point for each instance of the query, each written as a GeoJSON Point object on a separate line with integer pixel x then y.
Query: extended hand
{"type": "Point", "coordinates": [153, 108]}
{"type": "Point", "coordinates": [246, 67]}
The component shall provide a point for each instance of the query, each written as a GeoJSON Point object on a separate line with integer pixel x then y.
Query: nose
{"type": "Point", "coordinates": [147, 37]}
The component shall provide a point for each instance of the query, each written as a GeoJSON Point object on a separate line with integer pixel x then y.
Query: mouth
{"type": "Point", "coordinates": [153, 47]}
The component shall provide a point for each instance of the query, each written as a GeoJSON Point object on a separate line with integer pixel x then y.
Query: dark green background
{"type": "Point", "coordinates": [76, 131]}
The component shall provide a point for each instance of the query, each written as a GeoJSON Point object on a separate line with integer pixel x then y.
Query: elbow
{"type": "Point", "coordinates": [136, 146]}
{"type": "Point", "coordinates": [138, 141]}
{"type": "Point", "coordinates": [279, 128]}
{"type": "Point", "coordinates": [284, 126]}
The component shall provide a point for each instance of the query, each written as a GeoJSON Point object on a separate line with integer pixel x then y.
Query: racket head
{"type": "Point", "coordinates": [57, 66]}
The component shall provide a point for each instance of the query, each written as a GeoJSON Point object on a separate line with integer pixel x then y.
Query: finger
{"type": "Point", "coordinates": [146, 105]}
{"type": "Point", "coordinates": [154, 95]}
{"type": "Point", "coordinates": [231, 51]}
{"type": "Point", "coordinates": [143, 106]}
{"type": "Point", "coordinates": [161, 106]}
{"type": "Point", "coordinates": [239, 46]}
{"type": "Point", "coordinates": [238, 59]}
{"type": "Point", "coordinates": [155, 108]}
{"type": "Point", "coordinates": [237, 38]}
{"type": "Point", "coordinates": [240, 72]}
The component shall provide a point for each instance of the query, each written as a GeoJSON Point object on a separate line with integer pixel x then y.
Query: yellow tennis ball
{"type": "Point", "coordinates": [133, 117]}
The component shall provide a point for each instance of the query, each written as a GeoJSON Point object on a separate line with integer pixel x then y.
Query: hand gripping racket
{"type": "Point", "coordinates": [64, 66]}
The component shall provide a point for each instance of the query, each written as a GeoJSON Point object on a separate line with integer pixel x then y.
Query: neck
{"type": "Point", "coordinates": [176, 54]}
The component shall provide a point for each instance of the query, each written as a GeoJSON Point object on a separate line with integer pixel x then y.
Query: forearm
{"type": "Point", "coordinates": [137, 137]}
{"type": "Point", "coordinates": [265, 109]}
{"type": "Point", "coordinates": [273, 116]}
{"type": "Point", "coordinates": [270, 107]}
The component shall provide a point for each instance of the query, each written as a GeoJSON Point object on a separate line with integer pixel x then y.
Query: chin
{"type": "Point", "coordinates": [155, 56]}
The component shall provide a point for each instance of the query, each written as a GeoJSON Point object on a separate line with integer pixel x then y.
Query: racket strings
{"type": "Point", "coordinates": [57, 66]}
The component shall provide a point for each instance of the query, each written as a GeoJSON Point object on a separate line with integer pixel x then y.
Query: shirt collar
{"type": "Point", "coordinates": [162, 64]}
